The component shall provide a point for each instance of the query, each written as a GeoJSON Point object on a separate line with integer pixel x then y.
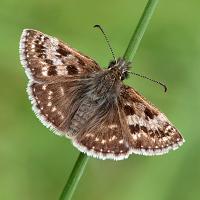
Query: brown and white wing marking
{"type": "Point", "coordinates": [52, 103]}
{"type": "Point", "coordinates": [103, 137]}
{"type": "Point", "coordinates": [151, 132]}
{"type": "Point", "coordinates": [46, 58]}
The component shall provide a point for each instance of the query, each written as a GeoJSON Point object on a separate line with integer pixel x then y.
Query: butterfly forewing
{"type": "Point", "coordinates": [151, 132]}
{"type": "Point", "coordinates": [46, 58]}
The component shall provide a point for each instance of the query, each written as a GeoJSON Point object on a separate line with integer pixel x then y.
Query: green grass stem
{"type": "Point", "coordinates": [74, 177]}
{"type": "Point", "coordinates": [140, 29]}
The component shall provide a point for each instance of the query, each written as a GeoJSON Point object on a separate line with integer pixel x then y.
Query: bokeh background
{"type": "Point", "coordinates": [35, 164]}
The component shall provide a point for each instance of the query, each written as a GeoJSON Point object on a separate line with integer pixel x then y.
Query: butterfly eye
{"type": "Point", "coordinates": [112, 64]}
{"type": "Point", "coordinates": [124, 75]}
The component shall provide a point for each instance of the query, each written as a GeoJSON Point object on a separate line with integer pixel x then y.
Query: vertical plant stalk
{"type": "Point", "coordinates": [129, 55]}
{"type": "Point", "coordinates": [74, 177]}
{"type": "Point", "coordinates": [140, 29]}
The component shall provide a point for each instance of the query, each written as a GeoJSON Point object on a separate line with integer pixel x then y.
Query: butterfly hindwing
{"type": "Point", "coordinates": [49, 104]}
{"type": "Point", "coordinates": [104, 135]}
{"type": "Point", "coordinates": [58, 104]}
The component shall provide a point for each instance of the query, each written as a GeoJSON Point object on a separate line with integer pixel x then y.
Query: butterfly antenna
{"type": "Point", "coordinates": [165, 87]}
{"type": "Point", "coordinates": [108, 42]}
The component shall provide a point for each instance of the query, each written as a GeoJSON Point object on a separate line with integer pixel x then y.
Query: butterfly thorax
{"type": "Point", "coordinates": [120, 68]}
{"type": "Point", "coordinates": [104, 85]}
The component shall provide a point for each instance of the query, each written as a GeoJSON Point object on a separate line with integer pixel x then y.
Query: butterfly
{"type": "Point", "coordinates": [73, 96]}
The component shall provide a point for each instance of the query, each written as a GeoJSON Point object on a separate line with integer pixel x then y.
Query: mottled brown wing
{"type": "Point", "coordinates": [104, 137]}
{"type": "Point", "coordinates": [46, 58]}
{"type": "Point", "coordinates": [151, 132]}
{"type": "Point", "coordinates": [52, 103]}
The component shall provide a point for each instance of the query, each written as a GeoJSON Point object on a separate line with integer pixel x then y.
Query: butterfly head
{"type": "Point", "coordinates": [121, 67]}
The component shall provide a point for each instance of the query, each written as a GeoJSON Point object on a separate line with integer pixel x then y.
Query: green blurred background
{"type": "Point", "coordinates": [35, 164]}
